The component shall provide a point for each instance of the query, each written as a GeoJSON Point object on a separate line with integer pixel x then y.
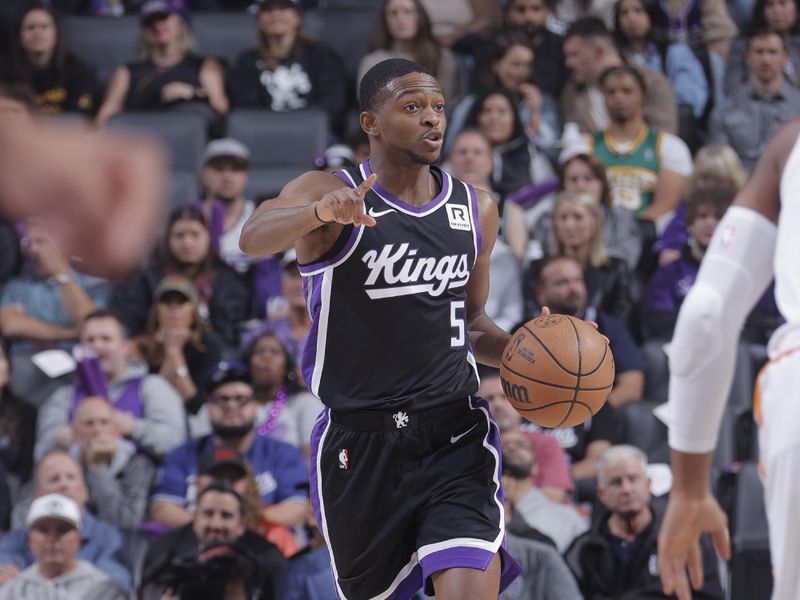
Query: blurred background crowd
{"type": "Point", "coordinates": [154, 429]}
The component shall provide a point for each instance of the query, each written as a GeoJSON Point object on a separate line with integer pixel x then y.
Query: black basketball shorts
{"type": "Point", "coordinates": [401, 495]}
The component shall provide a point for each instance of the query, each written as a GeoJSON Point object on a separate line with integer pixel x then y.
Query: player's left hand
{"type": "Point", "coordinates": [686, 519]}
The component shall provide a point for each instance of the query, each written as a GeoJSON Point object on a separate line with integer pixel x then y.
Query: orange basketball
{"type": "Point", "coordinates": [557, 371]}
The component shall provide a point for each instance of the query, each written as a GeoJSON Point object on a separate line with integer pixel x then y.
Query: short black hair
{"type": "Point", "coordinates": [624, 70]}
{"type": "Point", "coordinates": [373, 85]}
{"type": "Point", "coordinates": [758, 32]}
{"type": "Point", "coordinates": [102, 313]}
{"type": "Point", "coordinates": [588, 27]}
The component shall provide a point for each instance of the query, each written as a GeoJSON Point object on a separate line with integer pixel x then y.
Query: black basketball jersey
{"type": "Point", "coordinates": [388, 302]}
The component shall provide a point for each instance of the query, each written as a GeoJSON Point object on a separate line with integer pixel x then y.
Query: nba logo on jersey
{"type": "Point", "coordinates": [344, 461]}
{"type": "Point", "coordinates": [458, 215]}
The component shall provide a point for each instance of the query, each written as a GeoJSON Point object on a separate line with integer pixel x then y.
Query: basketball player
{"type": "Point", "coordinates": [757, 232]}
{"type": "Point", "coordinates": [394, 255]}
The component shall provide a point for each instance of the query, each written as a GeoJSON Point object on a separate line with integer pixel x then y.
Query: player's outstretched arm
{"type": "Point", "coordinates": [735, 271]}
{"type": "Point", "coordinates": [310, 210]}
{"type": "Point", "coordinates": [487, 339]}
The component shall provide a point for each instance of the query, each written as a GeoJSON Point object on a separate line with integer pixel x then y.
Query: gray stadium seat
{"type": "Point", "coordinates": [656, 371]}
{"type": "Point", "coordinates": [224, 35]}
{"type": "Point", "coordinates": [346, 31]}
{"type": "Point", "coordinates": [102, 43]}
{"type": "Point", "coordinates": [750, 569]}
{"type": "Point", "coordinates": [265, 182]}
{"type": "Point", "coordinates": [184, 134]}
{"type": "Point", "coordinates": [184, 188]}
{"type": "Point", "coordinates": [292, 139]}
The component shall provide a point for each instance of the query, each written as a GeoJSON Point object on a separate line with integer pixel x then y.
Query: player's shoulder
{"type": "Point", "coordinates": [313, 182]}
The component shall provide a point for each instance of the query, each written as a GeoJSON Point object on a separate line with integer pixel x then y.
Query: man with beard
{"type": "Point", "coordinates": [561, 287]}
{"type": "Point", "coordinates": [215, 555]}
{"type": "Point", "coordinates": [617, 558]}
{"type": "Point", "coordinates": [278, 467]}
{"type": "Point", "coordinates": [647, 167]}
{"type": "Point", "coordinates": [224, 177]}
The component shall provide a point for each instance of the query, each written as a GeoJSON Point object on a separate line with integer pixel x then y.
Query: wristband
{"type": "Point", "coordinates": [316, 214]}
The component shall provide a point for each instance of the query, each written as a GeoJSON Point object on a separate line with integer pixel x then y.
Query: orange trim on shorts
{"type": "Point", "coordinates": [757, 390]}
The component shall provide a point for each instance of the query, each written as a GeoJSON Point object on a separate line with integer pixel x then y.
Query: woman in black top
{"type": "Point", "coordinates": [177, 343]}
{"type": "Point", "coordinates": [169, 73]}
{"type": "Point", "coordinates": [288, 71]}
{"type": "Point", "coordinates": [17, 426]}
{"type": "Point", "coordinates": [40, 60]}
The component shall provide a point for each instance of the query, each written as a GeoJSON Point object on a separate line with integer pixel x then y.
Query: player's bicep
{"type": "Point", "coordinates": [304, 190]}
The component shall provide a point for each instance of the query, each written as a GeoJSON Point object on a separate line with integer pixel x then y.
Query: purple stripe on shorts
{"type": "Point", "coordinates": [314, 266]}
{"type": "Point", "coordinates": [473, 200]}
{"type": "Point", "coordinates": [316, 440]}
{"type": "Point", "coordinates": [408, 586]}
{"type": "Point", "coordinates": [309, 356]}
{"type": "Point", "coordinates": [410, 207]}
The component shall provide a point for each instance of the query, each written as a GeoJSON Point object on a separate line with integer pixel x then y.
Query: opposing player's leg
{"type": "Point", "coordinates": [779, 440]}
{"type": "Point", "coordinates": [474, 584]}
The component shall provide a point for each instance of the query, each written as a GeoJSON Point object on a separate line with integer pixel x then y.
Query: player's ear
{"type": "Point", "coordinates": [369, 122]}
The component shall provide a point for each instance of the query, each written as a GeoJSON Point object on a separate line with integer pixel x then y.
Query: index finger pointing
{"type": "Point", "coordinates": [367, 184]}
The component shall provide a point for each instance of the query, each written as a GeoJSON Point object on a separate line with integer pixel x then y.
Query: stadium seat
{"type": "Point", "coordinates": [750, 569]}
{"type": "Point", "coordinates": [266, 182]}
{"type": "Point", "coordinates": [656, 371]}
{"type": "Point", "coordinates": [292, 139]}
{"type": "Point", "coordinates": [346, 31]}
{"type": "Point", "coordinates": [184, 134]}
{"type": "Point", "coordinates": [184, 188]}
{"type": "Point", "coordinates": [224, 35]}
{"type": "Point", "coordinates": [641, 428]}
{"type": "Point", "coordinates": [102, 43]}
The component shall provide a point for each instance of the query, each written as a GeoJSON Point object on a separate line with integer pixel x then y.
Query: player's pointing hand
{"type": "Point", "coordinates": [346, 205]}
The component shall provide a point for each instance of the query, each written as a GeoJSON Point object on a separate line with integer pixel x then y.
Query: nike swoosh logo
{"type": "Point", "coordinates": [455, 438]}
{"type": "Point", "coordinates": [374, 214]}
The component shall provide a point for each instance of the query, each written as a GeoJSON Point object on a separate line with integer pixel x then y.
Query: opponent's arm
{"type": "Point", "coordinates": [487, 339]}
{"type": "Point", "coordinates": [735, 271]}
{"type": "Point", "coordinates": [310, 210]}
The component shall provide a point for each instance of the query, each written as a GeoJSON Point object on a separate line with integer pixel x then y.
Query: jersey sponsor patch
{"type": "Point", "coordinates": [458, 216]}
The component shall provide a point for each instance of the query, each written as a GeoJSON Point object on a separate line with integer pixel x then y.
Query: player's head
{"type": "Point", "coordinates": [402, 109]}
{"type": "Point", "coordinates": [623, 485]}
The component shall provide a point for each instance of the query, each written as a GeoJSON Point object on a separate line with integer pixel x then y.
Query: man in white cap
{"type": "Point", "coordinates": [53, 526]}
{"type": "Point", "coordinates": [224, 177]}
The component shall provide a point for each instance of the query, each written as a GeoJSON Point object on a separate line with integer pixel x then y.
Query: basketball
{"type": "Point", "coordinates": [557, 371]}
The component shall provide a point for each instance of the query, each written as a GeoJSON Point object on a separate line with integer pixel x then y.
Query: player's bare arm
{"type": "Point", "coordinates": [310, 211]}
{"type": "Point", "coordinates": [487, 339]}
{"type": "Point", "coordinates": [692, 509]}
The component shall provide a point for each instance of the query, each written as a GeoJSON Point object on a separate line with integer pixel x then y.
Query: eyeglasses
{"type": "Point", "coordinates": [222, 400]}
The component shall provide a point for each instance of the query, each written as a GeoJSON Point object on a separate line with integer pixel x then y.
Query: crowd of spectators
{"type": "Point", "coordinates": [155, 429]}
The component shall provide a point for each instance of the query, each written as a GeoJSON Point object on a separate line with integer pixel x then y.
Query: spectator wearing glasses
{"type": "Point", "coordinates": [279, 468]}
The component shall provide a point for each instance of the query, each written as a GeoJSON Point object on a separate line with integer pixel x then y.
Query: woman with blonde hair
{"type": "Point", "coordinates": [577, 229]}
{"type": "Point", "coordinates": [168, 73]}
{"type": "Point", "coordinates": [716, 166]}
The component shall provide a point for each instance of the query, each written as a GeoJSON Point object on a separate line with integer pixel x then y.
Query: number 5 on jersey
{"type": "Point", "coordinates": [457, 322]}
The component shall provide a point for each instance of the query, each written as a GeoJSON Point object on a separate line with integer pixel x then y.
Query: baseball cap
{"type": "Point", "coordinates": [336, 157]}
{"type": "Point", "coordinates": [151, 8]}
{"type": "Point", "coordinates": [54, 506]}
{"type": "Point", "coordinates": [178, 284]}
{"type": "Point", "coordinates": [226, 148]}
{"type": "Point", "coordinates": [224, 456]}
{"type": "Point", "coordinates": [227, 372]}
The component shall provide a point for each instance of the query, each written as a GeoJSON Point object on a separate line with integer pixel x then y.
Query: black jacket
{"type": "Point", "coordinates": [600, 575]}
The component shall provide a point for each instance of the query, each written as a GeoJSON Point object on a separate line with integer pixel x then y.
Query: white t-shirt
{"type": "Point", "coordinates": [229, 242]}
